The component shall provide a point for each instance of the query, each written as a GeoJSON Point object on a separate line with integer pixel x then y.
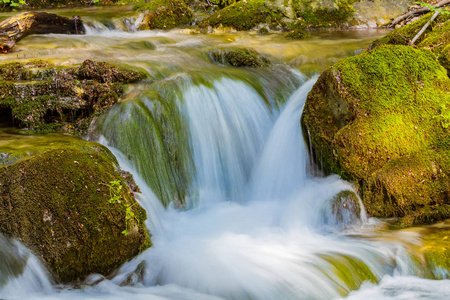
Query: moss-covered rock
{"type": "Point", "coordinates": [435, 38]}
{"type": "Point", "coordinates": [245, 15]}
{"type": "Point", "coordinates": [238, 57]}
{"type": "Point", "coordinates": [163, 14]}
{"type": "Point", "coordinates": [12, 260]}
{"type": "Point", "coordinates": [373, 117]}
{"type": "Point", "coordinates": [402, 35]}
{"type": "Point", "coordinates": [58, 203]}
{"type": "Point", "coordinates": [297, 34]}
{"type": "Point", "coordinates": [39, 94]}
{"type": "Point", "coordinates": [156, 138]}
{"type": "Point", "coordinates": [347, 272]}
{"type": "Point", "coordinates": [325, 14]}
{"type": "Point", "coordinates": [436, 251]}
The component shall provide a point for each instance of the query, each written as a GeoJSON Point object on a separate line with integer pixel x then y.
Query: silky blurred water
{"type": "Point", "coordinates": [256, 223]}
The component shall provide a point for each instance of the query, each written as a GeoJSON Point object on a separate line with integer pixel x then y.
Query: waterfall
{"type": "Point", "coordinates": [257, 229]}
{"type": "Point", "coordinates": [228, 127]}
{"type": "Point", "coordinates": [257, 226]}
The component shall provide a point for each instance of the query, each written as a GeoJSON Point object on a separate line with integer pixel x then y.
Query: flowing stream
{"type": "Point", "coordinates": [223, 169]}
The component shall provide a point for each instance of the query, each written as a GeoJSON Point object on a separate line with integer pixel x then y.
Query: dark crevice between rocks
{"type": "Point", "coordinates": [6, 118]}
{"type": "Point", "coordinates": [314, 166]}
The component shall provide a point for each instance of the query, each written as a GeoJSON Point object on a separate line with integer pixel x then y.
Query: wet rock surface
{"type": "Point", "coordinates": [58, 204]}
{"type": "Point", "coordinates": [380, 119]}
{"type": "Point", "coordinates": [43, 97]}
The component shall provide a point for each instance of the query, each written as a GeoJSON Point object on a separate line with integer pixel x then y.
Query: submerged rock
{"type": "Point", "coordinates": [12, 260]}
{"type": "Point", "coordinates": [344, 210]}
{"type": "Point", "coordinates": [238, 58]}
{"type": "Point", "coordinates": [62, 205]}
{"type": "Point", "coordinates": [436, 251]}
{"type": "Point", "coordinates": [297, 34]}
{"type": "Point", "coordinates": [43, 97]}
{"type": "Point", "coordinates": [163, 14]}
{"type": "Point", "coordinates": [381, 119]}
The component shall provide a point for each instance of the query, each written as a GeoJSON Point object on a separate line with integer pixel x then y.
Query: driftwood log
{"type": "Point", "coordinates": [419, 11]}
{"type": "Point", "coordinates": [19, 26]}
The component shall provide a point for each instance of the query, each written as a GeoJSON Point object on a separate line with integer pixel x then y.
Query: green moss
{"type": "Point", "coordinates": [444, 58]}
{"type": "Point", "coordinates": [155, 138]}
{"type": "Point", "coordinates": [165, 14]}
{"type": "Point", "coordinates": [369, 110]}
{"type": "Point", "coordinates": [347, 272]}
{"type": "Point", "coordinates": [105, 73]}
{"type": "Point", "coordinates": [436, 249]}
{"type": "Point", "coordinates": [14, 145]}
{"type": "Point", "coordinates": [415, 185]}
{"type": "Point", "coordinates": [263, 31]}
{"type": "Point", "coordinates": [402, 35]}
{"type": "Point", "coordinates": [57, 204]}
{"type": "Point", "coordinates": [42, 95]}
{"type": "Point", "coordinates": [16, 71]}
{"type": "Point", "coordinates": [320, 16]}
{"type": "Point", "coordinates": [238, 58]}
{"type": "Point", "coordinates": [245, 15]}
{"type": "Point", "coordinates": [297, 34]}
{"type": "Point", "coordinates": [12, 260]}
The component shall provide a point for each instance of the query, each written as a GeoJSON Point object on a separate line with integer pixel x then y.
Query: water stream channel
{"type": "Point", "coordinates": [256, 223]}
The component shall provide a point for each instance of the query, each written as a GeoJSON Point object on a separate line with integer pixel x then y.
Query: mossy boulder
{"type": "Point", "coordinates": [435, 38]}
{"type": "Point", "coordinates": [163, 14]}
{"type": "Point", "coordinates": [402, 35]}
{"type": "Point", "coordinates": [324, 13]}
{"type": "Point", "coordinates": [380, 119]}
{"type": "Point", "coordinates": [245, 15]}
{"type": "Point", "coordinates": [238, 57]}
{"type": "Point", "coordinates": [39, 94]}
{"type": "Point", "coordinates": [57, 203]}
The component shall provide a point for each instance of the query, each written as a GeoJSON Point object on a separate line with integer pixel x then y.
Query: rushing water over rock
{"type": "Point", "coordinates": [228, 142]}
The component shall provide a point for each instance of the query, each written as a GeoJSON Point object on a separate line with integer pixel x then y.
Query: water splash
{"type": "Point", "coordinates": [260, 245]}
{"type": "Point", "coordinates": [271, 245]}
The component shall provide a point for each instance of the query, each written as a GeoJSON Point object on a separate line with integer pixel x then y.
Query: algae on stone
{"type": "Point", "coordinates": [245, 15]}
{"type": "Point", "coordinates": [435, 38]}
{"type": "Point", "coordinates": [371, 111]}
{"type": "Point", "coordinates": [436, 250]}
{"type": "Point", "coordinates": [153, 133]}
{"type": "Point", "coordinates": [297, 34]}
{"type": "Point", "coordinates": [347, 272]}
{"type": "Point", "coordinates": [57, 204]}
{"type": "Point", "coordinates": [39, 94]}
{"type": "Point", "coordinates": [238, 57]}
{"type": "Point", "coordinates": [164, 14]}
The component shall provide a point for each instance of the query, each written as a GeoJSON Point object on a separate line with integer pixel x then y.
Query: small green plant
{"type": "Point", "coordinates": [13, 3]}
{"type": "Point", "coordinates": [432, 8]}
{"type": "Point", "coordinates": [115, 189]}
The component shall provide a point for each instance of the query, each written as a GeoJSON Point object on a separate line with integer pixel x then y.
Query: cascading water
{"type": "Point", "coordinates": [257, 224]}
{"type": "Point", "coordinates": [257, 229]}
{"type": "Point", "coordinates": [239, 242]}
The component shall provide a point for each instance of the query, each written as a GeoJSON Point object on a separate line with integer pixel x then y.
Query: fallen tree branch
{"type": "Point", "coordinates": [19, 26]}
{"type": "Point", "coordinates": [436, 13]}
{"type": "Point", "coordinates": [417, 11]}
